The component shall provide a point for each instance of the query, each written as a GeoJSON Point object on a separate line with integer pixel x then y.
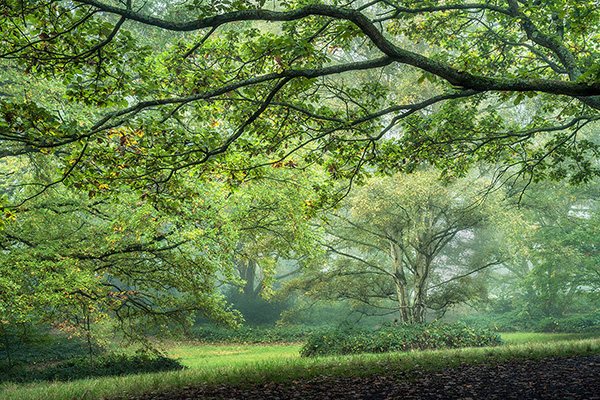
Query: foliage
{"type": "Point", "coordinates": [580, 323]}
{"type": "Point", "coordinates": [80, 262]}
{"type": "Point", "coordinates": [503, 322]}
{"type": "Point", "coordinates": [256, 310]}
{"type": "Point", "coordinates": [189, 107]}
{"type": "Point", "coordinates": [79, 368]}
{"type": "Point", "coordinates": [404, 337]}
{"type": "Point", "coordinates": [552, 271]}
{"type": "Point", "coordinates": [251, 335]}
{"type": "Point", "coordinates": [142, 264]}
{"type": "Point", "coordinates": [400, 240]}
{"type": "Point", "coordinates": [272, 218]}
{"type": "Point", "coordinates": [514, 321]}
{"type": "Point", "coordinates": [155, 139]}
{"type": "Point", "coordinates": [311, 311]}
{"type": "Point", "coordinates": [31, 345]}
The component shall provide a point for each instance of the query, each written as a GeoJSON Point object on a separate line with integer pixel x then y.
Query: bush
{"type": "Point", "coordinates": [29, 344]}
{"type": "Point", "coordinates": [511, 321]}
{"type": "Point", "coordinates": [251, 335]}
{"type": "Point", "coordinates": [521, 321]}
{"type": "Point", "coordinates": [79, 368]}
{"type": "Point", "coordinates": [578, 323]}
{"type": "Point", "coordinates": [354, 340]}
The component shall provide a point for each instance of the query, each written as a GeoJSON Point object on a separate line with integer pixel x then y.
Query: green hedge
{"type": "Point", "coordinates": [79, 368]}
{"type": "Point", "coordinates": [353, 340]}
{"type": "Point", "coordinates": [251, 335]}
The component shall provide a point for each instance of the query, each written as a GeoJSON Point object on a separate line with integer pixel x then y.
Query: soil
{"type": "Point", "coordinates": [564, 378]}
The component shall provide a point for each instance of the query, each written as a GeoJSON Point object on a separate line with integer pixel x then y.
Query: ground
{"type": "Point", "coordinates": [575, 378]}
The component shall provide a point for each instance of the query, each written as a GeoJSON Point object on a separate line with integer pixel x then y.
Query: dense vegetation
{"type": "Point", "coordinates": [79, 368]}
{"type": "Point", "coordinates": [41, 354]}
{"type": "Point", "coordinates": [404, 337]}
{"type": "Point", "coordinates": [513, 321]}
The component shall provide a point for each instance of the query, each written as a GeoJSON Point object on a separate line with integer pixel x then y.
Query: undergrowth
{"type": "Point", "coordinates": [80, 368]}
{"type": "Point", "coordinates": [515, 321]}
{"type": "Point", "coordinates": [289, 369]}
{"type": "Point", "coordinates": [404, 337]}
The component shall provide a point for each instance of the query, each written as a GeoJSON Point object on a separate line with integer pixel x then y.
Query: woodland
{"type": "Point", "coordinates": [295, 171]}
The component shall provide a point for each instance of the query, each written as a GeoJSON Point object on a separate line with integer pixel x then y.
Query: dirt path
{"type": "Point", "coordinates": [551, 378]}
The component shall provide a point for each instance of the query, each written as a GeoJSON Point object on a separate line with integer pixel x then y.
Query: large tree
{"type": "Point", "coordinates": [263, 79]}
{"type": "Point", "coordinates": [389, 246]}
{"type": "Point", "coordinates": [71, 260]}
{"type": "Point", "coordinates": [272, 216]}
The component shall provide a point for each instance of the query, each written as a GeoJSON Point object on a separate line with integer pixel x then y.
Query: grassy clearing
{"type": "Point", "coordinates": [232, 356]}
{"type": "Point", "coordinates": [248, 364]}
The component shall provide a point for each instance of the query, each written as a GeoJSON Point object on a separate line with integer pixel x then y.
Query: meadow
{"type": "Point", "coordinates": [239, 364]}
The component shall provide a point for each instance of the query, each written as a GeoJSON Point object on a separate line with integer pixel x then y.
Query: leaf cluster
{"type": "Point", "coordinates": [403, 337]}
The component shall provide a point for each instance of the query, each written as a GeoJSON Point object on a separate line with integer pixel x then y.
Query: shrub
{"type": "Point", "coordinates": [353, 340]}
{"type": "Point", "coordinates": [345, 339]}
{"type": "Point", "coordinates": [79, 368]}
{"type": "Point", "coordinates": [510, 321]}
{"type": "Point", "coordinates": [29, 345]}
{"type": "Point", "coordinates": [521, 321]}
{"type": "Point", "coordinates": [577, 323]}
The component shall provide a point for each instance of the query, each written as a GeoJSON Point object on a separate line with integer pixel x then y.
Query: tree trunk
{"type": "Point", "coordinates": [248, 274]}
{"type": "Point", "coordinates": [89, 340]}
{"type": "Point", "coordinates": [400, 283]}
{"type": "Point", "coordinates": [420, 290]}
{"type": "Point", "coordinates": [422, 264]}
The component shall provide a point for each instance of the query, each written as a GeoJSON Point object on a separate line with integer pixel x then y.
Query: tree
{"type": "Point", "coordinates": [553, 270]}
{"type": "Point", "coordinates": [387, 245]}
{"type": "Point", "coordinates": [275, 239]}
{"type": "Point", "coordinates": [75, 261]}
{"type": "Point", "coordinates": [229, 85]}
{"type": "Point", "coordinates": [273, 217]}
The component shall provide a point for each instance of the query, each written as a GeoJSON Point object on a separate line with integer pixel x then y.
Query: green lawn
{"type": "Point", "coordinates": [231, 364]}
{"type": "Point", "coordinates": [210, 356]}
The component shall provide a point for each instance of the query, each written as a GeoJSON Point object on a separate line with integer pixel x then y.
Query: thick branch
{"type": "Point", "coordinates": [454, 76]}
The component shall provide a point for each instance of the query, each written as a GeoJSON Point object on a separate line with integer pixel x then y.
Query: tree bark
{"type": "Point", "coordinates": [420, 290]}
{"type": "Point", "coordinates": [400, 282]}
{"type": "Point", "coordinates": [248, 274]}
{"type": "Point", "coordinates": [421, 269]}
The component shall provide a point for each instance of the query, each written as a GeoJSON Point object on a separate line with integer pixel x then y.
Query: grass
{"type": "Point", "coordinates": [247, 364]}
{"type": "Point", "coordinates": [216, 356]}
